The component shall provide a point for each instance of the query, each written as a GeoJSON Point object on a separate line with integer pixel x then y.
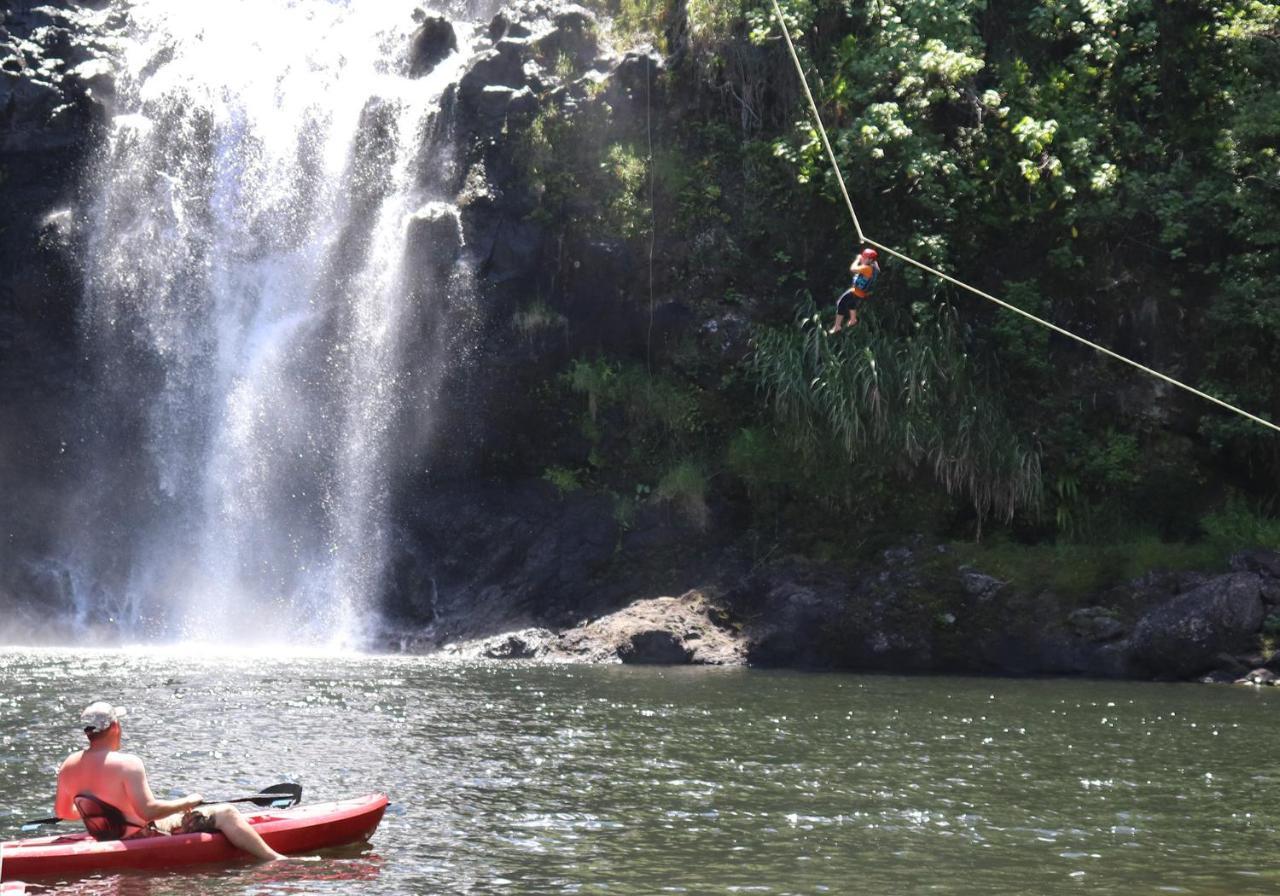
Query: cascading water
{"type": "Point", "coordinates": [251, 293]}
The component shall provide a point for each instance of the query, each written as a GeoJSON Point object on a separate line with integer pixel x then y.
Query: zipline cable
{"type": "Point", "coordinates": [862, 237]}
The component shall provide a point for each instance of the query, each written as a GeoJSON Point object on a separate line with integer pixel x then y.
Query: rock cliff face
{"type": "Point", "coordinates": [490, 562]}
{"type": "Point", "coordinates": [55, 88]}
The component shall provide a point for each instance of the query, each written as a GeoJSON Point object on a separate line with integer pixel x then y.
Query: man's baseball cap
{"type": "Point", "coordinates": [100, 716]}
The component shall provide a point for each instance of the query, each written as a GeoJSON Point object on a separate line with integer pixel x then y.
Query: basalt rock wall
{"type": "Point", "coordinates": [55, 89]}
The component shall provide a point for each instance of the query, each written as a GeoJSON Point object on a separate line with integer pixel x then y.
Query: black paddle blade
{"type": "Point", "coordinates": [279, 796]}
{"type": "Point", "coordinates": [38, 822]}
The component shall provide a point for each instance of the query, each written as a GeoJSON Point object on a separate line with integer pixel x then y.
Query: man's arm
{"type": "Point", "coordinates": [139, 790]}
{"type": "Point", "coordinates": [64, 800]}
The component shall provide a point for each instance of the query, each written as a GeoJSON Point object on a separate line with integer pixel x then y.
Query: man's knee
{"type": "Point", "coordinates": [221, 814]}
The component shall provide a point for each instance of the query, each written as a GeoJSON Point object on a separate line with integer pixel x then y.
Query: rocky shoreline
{"type": "Point", "coordinates": [525, 573]}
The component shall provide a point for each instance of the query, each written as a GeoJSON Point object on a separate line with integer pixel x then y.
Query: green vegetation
{"type": "Point", "coordinates": [1078, 571]}
{"type": "Point", "coordinates": [564, 479]}
{"type": "Point", "coordinates": [1111, 165]}
{"type": "Point", "coordinates": [909, 397]}
{"type": "Point", "coordinates": [1238, 523]}
{"type": "Point", "coordinates": [538, 317]}
{"type": "Point", "coordinates": [685, 486]}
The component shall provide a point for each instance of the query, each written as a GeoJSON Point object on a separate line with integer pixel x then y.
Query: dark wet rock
{"type": "Point", "coordinates": [1236, 665]}
{"type": "Point", "coordinates": [979, 585]}
{"type": "Point", "coordinates": [1264, 563]}
{"type": "Point", "coordinates": [896, 556]}
{"type": "Point", "coordinates": [54, 81]}
{"type": "Point", "coordinates": [507, 556]}
{"type": "Point", "coordinates": [1258, 677]}
{"type": "Point", "coordinates": [1267, 566]}
{"type": "Point", "coordinates": [1096, 624]}
{"type": "Point", "coordinates": [1184, 636]}
{"type": "Point", "coordinates": [789, 613]}
{"type": "Point", "coordinates": [410, 590]}
{"type": "Point", "coordinates": [727, 334]}
{"type": "Point", "coordinates": [499, 103]}
{"type": "Point", "coordinates": [434, 240]}
{"type": "Point", "coordinates": [1218, 677]}
{"type": "Point", "coordinates": [504, 25]}
{"type": "Point", "coordinates": [502, 66]}
{"type": "Point", "coordinates": [528, 644]}
{"type": "Point", "coordinates": [431, 44]}
{"type": "Point", "coordinates": [574, 36]}
{"type": "Point", "coordinates": [634, 78]}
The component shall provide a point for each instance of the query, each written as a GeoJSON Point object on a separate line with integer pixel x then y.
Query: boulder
{"type": "Point", "coordinates": [503, 25]}
{"type": "Point", "coordinates": [502, 66]}
{"type": "Point", "coordinates": [789, 624]}
{"type": "Point", "coordinates": [1258, 677]}
{"type": "Point", "coordinates": [636, 74]}
{"type": "Point", "coordinates": [1217, 677]}
{"type": "Point", "coordinates": [1267, 565]}
{"type": "Point", "coordinates": [685, 630]}
{"type": "Point", "coordinates": [430, 44]}
{"type": "Point", "coordinates": [979, 585]}
{"type": "Point", "coordinates": [1184, 636]}
{"type": "Point", "coordinates": [1256, 560]}
{"type": "Point", "coordinates": [573, 36]}
{"type": "Point", "coordinates": [1096, 624]}
{"type": "Point", "coordinates": [527, 644]}
{"type": "Point", "coordinates": [496, 102]}
{"type": "Point", "coordinates": [434, 240]}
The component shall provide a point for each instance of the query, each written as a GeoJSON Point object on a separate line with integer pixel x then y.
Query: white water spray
{"type": "Point", "coordinates": [248, 311]}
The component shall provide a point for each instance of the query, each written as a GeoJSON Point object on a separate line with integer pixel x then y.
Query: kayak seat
{"type": "Point", "coordinates": [102, 820]}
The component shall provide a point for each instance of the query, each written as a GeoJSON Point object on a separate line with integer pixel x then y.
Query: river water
{"type": "Point", "coordinates": [528, 779]}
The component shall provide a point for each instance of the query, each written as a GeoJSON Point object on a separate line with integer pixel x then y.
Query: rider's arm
{"type": "Point", "coordinates": [139, 790]}
{"type": "Point", "coordinates": [64, 800]}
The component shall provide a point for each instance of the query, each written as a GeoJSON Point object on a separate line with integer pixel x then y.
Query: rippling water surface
{"type": "Point", "coordinates": [544, 780]}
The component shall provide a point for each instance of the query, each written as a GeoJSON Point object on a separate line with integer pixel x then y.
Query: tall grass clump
{"type": "Point", "coordinates": [1239, 525]}
{"type": "Point", "coordinates": [914, 399]}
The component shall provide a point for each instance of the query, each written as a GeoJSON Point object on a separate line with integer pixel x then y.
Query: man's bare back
{"type": "Point", "coordinates": [113, 777]}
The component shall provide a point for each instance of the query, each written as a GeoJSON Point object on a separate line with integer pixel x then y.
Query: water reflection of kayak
{"type": "Point", "coordinates": [300, 829]}
{"type": "Point", "coordinates": [13, 888]}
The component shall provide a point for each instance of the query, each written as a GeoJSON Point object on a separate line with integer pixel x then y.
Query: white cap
{"type": "Point", "coordinates": [100, 716]}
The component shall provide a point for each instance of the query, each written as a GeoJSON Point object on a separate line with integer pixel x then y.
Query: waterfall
{"type": "Point", "coordinates": [262, 315]}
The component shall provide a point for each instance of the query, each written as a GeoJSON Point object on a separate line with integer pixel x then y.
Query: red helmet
{"type": "Point", "coordinates": [869, 254]}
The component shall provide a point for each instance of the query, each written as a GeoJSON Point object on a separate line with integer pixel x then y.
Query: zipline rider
{"type": "Point", "coordinates": [865, 271]}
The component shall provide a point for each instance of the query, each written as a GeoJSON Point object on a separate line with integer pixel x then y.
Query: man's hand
{"type": "Point", "coordinates": [192, 801]}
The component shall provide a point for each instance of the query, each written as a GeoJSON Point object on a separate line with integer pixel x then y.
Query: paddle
{"type": "Point", "coordinates": [277, 796]}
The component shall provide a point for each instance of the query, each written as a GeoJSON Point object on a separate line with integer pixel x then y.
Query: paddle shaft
{"type": "Point", "coordinates": [269, 797]}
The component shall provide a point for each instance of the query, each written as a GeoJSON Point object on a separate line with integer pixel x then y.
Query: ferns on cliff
{"type": "Point", "coordinates": [913, 399]}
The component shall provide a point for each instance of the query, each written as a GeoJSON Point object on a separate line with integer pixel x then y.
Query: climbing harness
{"type": "Point", "coordinates": [862, 237]}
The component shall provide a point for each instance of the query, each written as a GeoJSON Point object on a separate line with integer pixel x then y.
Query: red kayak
{"type": "Point", "coordinates": [297, 830]}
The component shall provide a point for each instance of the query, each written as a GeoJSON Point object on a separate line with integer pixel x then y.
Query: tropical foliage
{"type": "Point", "coordinates": [1111, 165]}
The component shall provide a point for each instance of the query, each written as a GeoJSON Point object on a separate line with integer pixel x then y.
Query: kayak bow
{"type": "Point", "coordinates": [300, 829]}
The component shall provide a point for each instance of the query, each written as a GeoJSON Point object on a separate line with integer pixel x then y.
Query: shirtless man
{"type": "Point", "coordinates": [120, 780]}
